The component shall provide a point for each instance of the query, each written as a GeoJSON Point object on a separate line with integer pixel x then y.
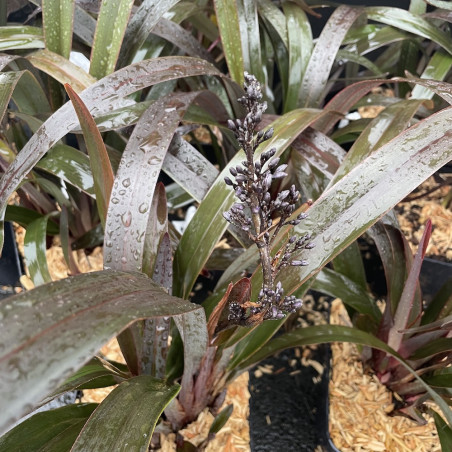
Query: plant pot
{"type": "Point", "coordinates": [289, 405]}
{"type": "Point", "coordinates": [289, 398]}
{"type": "Point", "coordinates": [10, 264]}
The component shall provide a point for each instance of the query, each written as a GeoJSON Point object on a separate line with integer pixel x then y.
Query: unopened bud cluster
{"type": "Point", "coordinates": [256, 209]}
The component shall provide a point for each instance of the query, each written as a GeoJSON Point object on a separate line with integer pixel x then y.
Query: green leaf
{"type": "Point", "coordinates": [61, 69]}
{"type": "Point", "coordinates": [98, 157]}
{"type": "Point", "coordinates": [97, 373]}
{"type": "Point", "coordinates": [300, 47]}
{"type": "Point", "coordinates": [24, 217]}
{"type": "Point", "coordinates": [69, 164]}
{"type": "Point", "coordinates": [126, 419]}
{"type": "Point", "coordinates": [198, 241]}
{"type": "Point", "coordinates": [338, 285]}
{"type": "Point", "coordinates": [52, 431]}
{"type": "Point", "coordinates": [228, 23]}
{"type": "Point", "coordinates": [25, 90]}
{"type": "Point", "coordinates": [440, 306]}
{"type": "Point", "coordinates": [111, 26]}
{"type": "Point", "coordinates": [250, 39]}
{"type": "Point", "coordinates": [50, 331]}
{"type": "Point", "coordinates": [21, 37]}
{"type": "Point", "coordinates": [440, 345]}
{"type": "Point", "coordinates": [404, 20]}
{"type": "Point", "coordinates": [442, 378]}
{"type": "Point", "coordinates": [437, 69]}
{"type": "Point", "coordinates": [444, 430]}
{"type": "Point", "coordinates": [57, 18]}
{"type": "Point", "coordinates": [221, 419]}
{"type": "Point", "coordinates": [35, 251]}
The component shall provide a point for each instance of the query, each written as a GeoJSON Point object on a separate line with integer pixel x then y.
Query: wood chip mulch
{"type": "Point", "coordinates": [360, 404]}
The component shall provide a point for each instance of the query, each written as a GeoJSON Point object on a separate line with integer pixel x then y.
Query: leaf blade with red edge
{"type": "Point", "coordinates": [407, 312]}
{"type": "Point", "coordinates": [126, 419]}
{"type": "Point", "coordinates": [91, 307]}
{"type": "Point", "coordinates": [98, 156]}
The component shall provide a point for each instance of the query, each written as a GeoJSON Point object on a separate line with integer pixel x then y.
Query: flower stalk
{"type": "Point", "coordinates": [256, 210]}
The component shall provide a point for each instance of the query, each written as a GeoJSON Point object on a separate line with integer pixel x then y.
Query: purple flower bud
{"type": "Point", "coordinates": [279, 175]}
{"type": "Point", "coordinates": [273, 163]}
{"type": "Point", "coordinates": [283, 195]}
{"type": "Point", "coordinates": [268, 134]}
{"type": "Point", "coordinates": [227, 216]}
{"type": "Point", "coordinates": [281, 168]}
{"type": "Point", "coordinates": [302, 216]}
{"type": "Point", "coordinates": [297, 263]}
{"type": "Point", "coordinates": [228, 181]}
{"type": "Point", "coordinates": [292, 239]}
{"type": "Point", "coordinates": [240, 178]}
{"type": "Point", "coordinates": [231, 124]}
{"type": "Point", "coordinates": [309, 246]}
{"type": "Point", "coordinates": [233, 171]}
{"type": "Point", "coordinates": [267, 181]}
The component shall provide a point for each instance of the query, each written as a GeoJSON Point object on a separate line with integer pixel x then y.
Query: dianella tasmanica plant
{"type": "Point", "coordinates": [256, 209]}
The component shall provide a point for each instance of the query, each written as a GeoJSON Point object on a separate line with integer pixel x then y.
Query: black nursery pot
{"type": "Point", "coordinates": [289, 408]}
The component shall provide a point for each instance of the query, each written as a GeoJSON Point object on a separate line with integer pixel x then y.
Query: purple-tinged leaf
{"type": "Point", "coordinates": [140, 25]}
{"type": "Point", "coordinates": [133, 191]}
{"type": "Point", "coordinates": [106, 94]}
{"type": "Point", "coordinates": [156, 227]}
{"type": "Point", "coordinates": [180, 37]}
{"type": "Point", "coordinates": [407, 311]}
{"type": "Point", "coordinates": [189, 168]}
{"type": "Point", "coordinates": [156, 331]}
{"type": "Point", "coordinates": [58, 427]}
{"type": "Point", "coordinates": [396, 256]}
{"type": "Point", "coordinates": [320, 151]}
{"type": "Point", "coordinates": [98, 156]}
{"type": "Point", "coordinates": [50, 331]}
{"type": "Point", "coordinates": [193, 330]}
{"type": "Point", "coordinates": [341, 103]}
{"type": "Point", "coordinates": [126, 419]}
{"type": "Point", "coordinates": [437, 346]}
{"type": "Point", "coordinates": [323, 56]}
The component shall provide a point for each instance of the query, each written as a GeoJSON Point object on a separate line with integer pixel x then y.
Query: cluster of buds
{"type": "Point", "coordinates": [260, 216]}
